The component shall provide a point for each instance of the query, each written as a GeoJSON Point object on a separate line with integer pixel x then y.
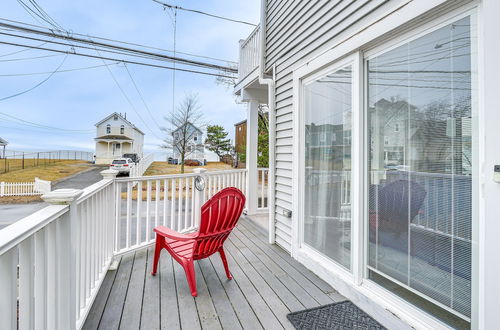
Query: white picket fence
{"type": "Point", "coordinates": [141, 167]}
{"type": "Point", "coordinates": [38, 187]}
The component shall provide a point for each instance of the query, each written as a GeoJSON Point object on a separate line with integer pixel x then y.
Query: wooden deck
{"type": "Point", "coordinates": [267, 284]}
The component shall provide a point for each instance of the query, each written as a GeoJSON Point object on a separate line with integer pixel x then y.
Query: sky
{"type": "Point", "coordinates": [76, 100]}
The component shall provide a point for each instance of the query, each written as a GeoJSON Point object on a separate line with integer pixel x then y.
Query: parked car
{"type": "Point", "coordinates": [135, 157]}
{"type": "Point", "coordinates": [192, 162]}
{"type": "Point", "coordinates": [122, 165]}
{"type": "Point", "coordinates": [172, 161]}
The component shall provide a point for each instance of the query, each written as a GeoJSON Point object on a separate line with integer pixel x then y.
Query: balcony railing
{"type": "Point", "coordinates": [53, 262]}
{"type": "Point", "coordinates": [249, 54]}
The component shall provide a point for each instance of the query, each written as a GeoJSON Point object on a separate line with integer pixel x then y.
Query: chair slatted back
{"type": "Point", "coordinates": [219, 215]}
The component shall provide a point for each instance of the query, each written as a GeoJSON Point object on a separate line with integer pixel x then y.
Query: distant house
{"type": "Point", "coordinates": [195, 147]}
{"type": "Point", "coordinates": [240, 136]}
{"type": "Point", "coordinates": [3, 144]}
{"type": "Point", "coordinates": [115, 136]}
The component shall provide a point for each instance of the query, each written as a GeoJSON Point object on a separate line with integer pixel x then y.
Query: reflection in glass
{"type": "Point", "coordinates": [420, 171]}
{"type": "Point", "coordinates": [327, 211]}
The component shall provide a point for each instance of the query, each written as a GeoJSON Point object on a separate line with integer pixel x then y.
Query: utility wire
{"type": "Point", "coordinates": [116, 59]}
{"type": "Point", "coordinates": [127, 98]}
{"type": "Point", "coordinates": [33, 124]}
{"type": "Point", "coordinates": [29, 58]}
{"type": "Point", "coordinates": [37, 85]}
{"type": "Point", "coordinates": [121, 48]}
{"type": "Point", "coordinates": [123, 42]}
{"type": "Point", "coordinates": [141, 96]}
{"type": "Point", "coordinates": [59, 71]}
{"type": "Point", "coordinates": [204, 13]}
{"type": "Point", "coordinates": [22, 50]}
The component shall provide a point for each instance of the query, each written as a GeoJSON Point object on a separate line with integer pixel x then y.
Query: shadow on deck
{"type": "Point", "coordinates": [267, 284]}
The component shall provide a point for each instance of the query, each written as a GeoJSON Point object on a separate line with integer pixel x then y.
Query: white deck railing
{"type": "Point", "coordinates": [263, 180]}
{"type": "Point", "coordinates": [53, 262]}
{"type": "Point", "coordinates": [249, 54]}
{"type": "Point", "coordinates": [38, 187]}
{"type": "Point", "coordinates": [141, 167]}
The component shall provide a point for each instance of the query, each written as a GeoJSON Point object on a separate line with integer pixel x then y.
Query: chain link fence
{"type": "Point", "coordinates": [18, 160]}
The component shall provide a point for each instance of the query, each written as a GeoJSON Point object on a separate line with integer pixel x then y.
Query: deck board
{"type": "Point", "coordinates": [267, 284]}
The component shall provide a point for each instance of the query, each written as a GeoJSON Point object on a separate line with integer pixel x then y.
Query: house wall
{"type": "Point", "coordinates": [296, 32]}
{"type": "Point", "coordinates": [130, 132]}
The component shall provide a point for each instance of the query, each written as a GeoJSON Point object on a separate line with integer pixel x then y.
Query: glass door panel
{"type": "Point", "coordinates": [420, 171]}
{"type": "Point", "coordinates": [327, 194]}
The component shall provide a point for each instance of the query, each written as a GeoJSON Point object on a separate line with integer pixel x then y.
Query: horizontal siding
{"type": "Point", "coordinates": [296, 31]}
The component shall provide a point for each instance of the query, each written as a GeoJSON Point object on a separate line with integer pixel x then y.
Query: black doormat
{"type": "Point", "coordinates": [339, 316]}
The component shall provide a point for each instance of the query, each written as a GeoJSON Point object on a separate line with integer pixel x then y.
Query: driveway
{"type": "Point", "coordinates": [10, 213]}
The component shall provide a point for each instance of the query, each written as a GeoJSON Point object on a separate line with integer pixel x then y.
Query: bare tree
{"type": "Point", "coordinates": [182, 122]}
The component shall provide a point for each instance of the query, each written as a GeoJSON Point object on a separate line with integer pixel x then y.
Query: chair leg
{"type": "Point", "coordinates": [224, 262]}
{"type": "Point", "coordinates": [190, 276]}
{"type": "Point", "coordinates": [157, 254]}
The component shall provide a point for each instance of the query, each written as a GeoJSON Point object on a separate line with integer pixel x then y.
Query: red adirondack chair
{"type": "Point", "coordinates": [218, 217]}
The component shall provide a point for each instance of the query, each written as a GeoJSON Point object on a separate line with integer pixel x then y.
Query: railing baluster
{"type": "Point", "coordinates": [186, 203]}
{"type": "Point", "coordinates": [172, 206]}
{"type": "Point", "coordinates": [8, 283]}
{"type": "Point", "coordinates": [118, 215]}
{"type": "Point", "coordinates": [52, 285]}
{"type": "Point", "coordinates": [193, 191]}
{"type": "Point", "coordinates": [148, 209]}
{"type": "Point", "coordinates": [165, 201]}
{"type": "Point", "coordinates": [179, 211]}
{"type": "Point", "coordinates": [139, 215]}
{"type": "Point", "coordinates": [40, 272]}
{"type": "Point", "coordinates": [157, 202]}
{"type": "Point", "coordinates": [129, 213]}
{"type": "Point", "coordinates": [26, 285]}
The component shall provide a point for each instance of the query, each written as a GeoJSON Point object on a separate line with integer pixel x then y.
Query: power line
{"type": "Point", "coordinates": [29, 58]}
{"type": "Point", "coordinates": [132, 51]}
{"type": "Point", "coordinates": [125, 42]}
{"type": "Point", "coordinates": [59, 71]}
{"type": "Point", "coordinates": [204, 13]}
{"type": "Point", "coordinates": [141, 96]}
{"type": "Point", "coordinates": [116, 59]}
{"type": "Point", "coordinates": [33, 124]}
{"type": "Point", "coordinates": [37, 85]}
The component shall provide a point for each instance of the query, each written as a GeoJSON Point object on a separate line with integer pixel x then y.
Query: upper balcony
{"type": "Point", "coordinates": [249, 57]}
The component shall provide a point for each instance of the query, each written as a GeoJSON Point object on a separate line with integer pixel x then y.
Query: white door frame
{"type": "Point", "coordinates": [354, 285]}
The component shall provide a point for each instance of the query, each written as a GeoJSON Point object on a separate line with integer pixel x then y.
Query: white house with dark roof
{"type": "Point", "coordinates": [115, 136]}
{"type": "Point", "coordinates": [3, 144]}
{"type": "Point", "coordinates": [195, 148]}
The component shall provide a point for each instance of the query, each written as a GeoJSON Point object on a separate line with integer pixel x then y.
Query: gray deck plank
{"type": "Point", "coordinates": [279, 309]}
{"type": "Point", "coordinates": [266, 317]}
{"type": "Point", "coordinates": [114, 306]}
{"type": "Point", "coordinates": [187, 306]}
{"type": "Point", "coordinates": [169, 308]}
{"type": "Point", "coordinates": [287, 297]}
{"type": "Point", "coordinates": [241, 306]}
{"type": "Point", "coordinates": [222, 304]}
{"type": "Point", "coordinates": [150, 318]}
{"type": "Point", "coordinates": [267, 284]}
{"type": "Point", "coordinates": [293, 267]}
{"type": "Point", "coordinates": [95, 313]}
{"type": "Point", "coordinates": [204, 304]}
{"type": "Point", "coordinates": [295, 289]}
{"type": "Point", "coordinates": [131, 318]}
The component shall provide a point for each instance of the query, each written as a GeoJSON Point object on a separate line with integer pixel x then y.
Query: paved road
{"type": "Point", "coordinates": [10, 213]}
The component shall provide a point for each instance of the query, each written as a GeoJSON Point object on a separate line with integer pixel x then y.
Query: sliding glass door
{"type": "Point", "coordinates": [420, 170]}
{"type": "Point", "coordinates": [327, 171]}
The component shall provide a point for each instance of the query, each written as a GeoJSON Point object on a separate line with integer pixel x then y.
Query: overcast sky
{"type": "Point", "coordinates": [78, 99]}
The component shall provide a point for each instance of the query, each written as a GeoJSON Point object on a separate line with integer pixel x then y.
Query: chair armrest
{"type": "Point", "coordinates": [167, 232]}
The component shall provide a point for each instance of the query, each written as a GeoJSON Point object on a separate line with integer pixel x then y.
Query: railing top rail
{"type": "Point", "coordinates": [250, 36]}
{"type": "Point", "coordinates": [93, 189]}
{"type": "Point", "coordinates": [176, 176]}
{"type": "Point", "coordinates": [17, 232]}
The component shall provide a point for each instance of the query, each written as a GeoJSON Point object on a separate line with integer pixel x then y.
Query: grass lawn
{"type": "Point", "coordinates": [163, 168]}
{"type": "Point", "coordinates": [50, 172]}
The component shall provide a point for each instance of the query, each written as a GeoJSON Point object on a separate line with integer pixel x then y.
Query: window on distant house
{"type": "Point", "coordinates": [396, 128]}
{"type": "Point", "coordinates": [195, 138]}
{"type": "Point", "coordinates": [122, 129]}
{"type": "Point", "coordinates": [108, 129]}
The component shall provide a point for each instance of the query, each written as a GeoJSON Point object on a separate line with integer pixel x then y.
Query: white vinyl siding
{"type": "Point", "coordinates": [297, 31]}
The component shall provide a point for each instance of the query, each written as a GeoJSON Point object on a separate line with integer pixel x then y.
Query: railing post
{"type": "Point", "coordinates": [68, 244]}
{"type": "Point", "coordinates": [198, 194]}
{"type": "Point", "coordinates": [251, 156]}
{"type": "Point", "coordinates": [2, 188]}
